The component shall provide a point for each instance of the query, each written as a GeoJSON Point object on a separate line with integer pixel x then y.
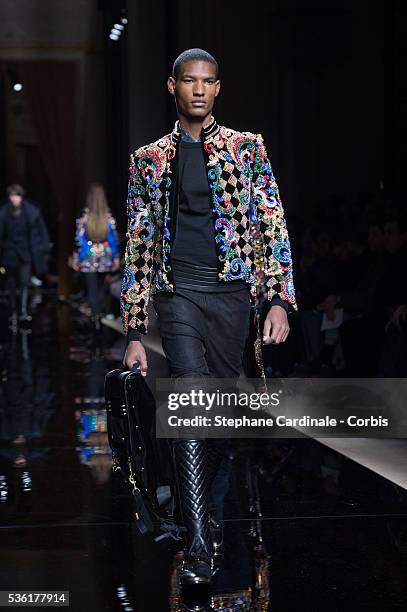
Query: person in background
{"type": "Point", "coordinates": [97, 249]}
{"type": "Point", "coordinates": [24, 243]}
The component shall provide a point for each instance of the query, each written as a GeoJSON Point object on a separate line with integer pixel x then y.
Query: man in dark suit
{"type": "Point", "coordinates": [24, 241]}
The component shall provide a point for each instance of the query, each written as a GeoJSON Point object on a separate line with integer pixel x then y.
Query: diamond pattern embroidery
{"type": "Point", "coordinates": [241, 177]}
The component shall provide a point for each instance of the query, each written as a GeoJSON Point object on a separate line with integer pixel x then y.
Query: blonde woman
{"type": "Point", "coordinates": [97, 249]}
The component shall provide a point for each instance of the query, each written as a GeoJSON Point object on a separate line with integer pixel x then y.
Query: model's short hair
{"type": "Point", "coordinates": [15, 189]}
{"type": "Point", "coordinates": [193, 54]}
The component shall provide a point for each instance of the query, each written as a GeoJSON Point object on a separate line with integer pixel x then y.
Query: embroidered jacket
{"type": "Point", "coordinates": [250, 229]}
{"type": "Point", "coordinates": [95, 256]}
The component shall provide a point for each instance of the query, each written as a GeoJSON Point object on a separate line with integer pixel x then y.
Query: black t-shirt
{"type": "Point", "coordinates": [194, 255]}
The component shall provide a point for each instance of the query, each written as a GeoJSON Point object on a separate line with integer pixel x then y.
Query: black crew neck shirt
{"type": "Point", "coordinates": [194, 255]}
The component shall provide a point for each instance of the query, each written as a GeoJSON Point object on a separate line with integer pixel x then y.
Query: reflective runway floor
{"type": "Point", "coordinates": [305, 527]}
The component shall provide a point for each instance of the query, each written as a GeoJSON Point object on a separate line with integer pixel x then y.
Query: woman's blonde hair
{"type": "Point", "coordinates": [98, 213]}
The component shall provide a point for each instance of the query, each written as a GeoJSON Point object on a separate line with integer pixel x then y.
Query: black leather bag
{"type": "Point", "coordinates": [143, 460]}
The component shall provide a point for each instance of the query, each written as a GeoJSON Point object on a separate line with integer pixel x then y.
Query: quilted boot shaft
{"type": "Point", "coordinates": [190, 457]}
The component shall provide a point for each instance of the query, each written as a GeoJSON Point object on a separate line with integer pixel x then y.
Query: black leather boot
{"type": "Point", "coordinates": [191, 467]}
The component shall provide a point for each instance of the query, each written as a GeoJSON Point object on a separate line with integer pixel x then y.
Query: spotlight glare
{"type": "Point", "coordinates": [118, 26]}
{"type": "Point", "coordinates": [17, 86]}
{"type": "Point", "coordinates": [113, 36]}
{"type": "Point", "coordinates": [123, 20]}
{"type": "Point", "coordinates": [115, 31]}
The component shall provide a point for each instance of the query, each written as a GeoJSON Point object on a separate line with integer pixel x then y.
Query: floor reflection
{"type": "Point", "coordinates": [300, 521]}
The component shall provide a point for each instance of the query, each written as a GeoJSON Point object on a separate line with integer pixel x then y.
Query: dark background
{"type": "Point", "coordinates": [323, 82]}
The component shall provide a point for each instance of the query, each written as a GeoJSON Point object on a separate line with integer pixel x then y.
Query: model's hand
{"type": "Point", "coordinates": [276, 326]}
{"type": "Point", "coordinates": [135, 352]}
{"type": "Point", "coordinates": [72, 263]}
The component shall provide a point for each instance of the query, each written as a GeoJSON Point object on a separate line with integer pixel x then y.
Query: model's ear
{"type": "Point", "coordinates": [217, 88]}
{"type": "Point", "coordinates": [171, 85]}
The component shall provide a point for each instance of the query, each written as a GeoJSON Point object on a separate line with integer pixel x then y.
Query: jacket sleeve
{"type": "Point", "coordinates": [79, 236]}
{"type": "Point", "coordinates": [44, 234]}
{"type": "Point", "coordinates": [113, 238]}
{"type": "Point", "coordinates": [278, 266]}
{"type": "Point", "coordinates": [139, 253]}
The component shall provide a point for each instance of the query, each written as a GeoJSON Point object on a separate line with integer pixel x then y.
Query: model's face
{"type": "Point", "coordinates": [195, 89]}
{"type": "Point", "coordinates": [15, 199]}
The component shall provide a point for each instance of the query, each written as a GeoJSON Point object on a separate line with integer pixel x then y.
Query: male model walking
{"type": "Point", "coordinates": [204, 219]}
{"type": "Point", "coordinates": [24, 243]}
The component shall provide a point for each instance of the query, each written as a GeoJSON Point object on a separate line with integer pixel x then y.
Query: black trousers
{"type": "Point", "coordinates": [203, 333]}
{"type": "Point", "coordinates": [18, 276]}
{"type": "Point", "coordinates": [95, 291]}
